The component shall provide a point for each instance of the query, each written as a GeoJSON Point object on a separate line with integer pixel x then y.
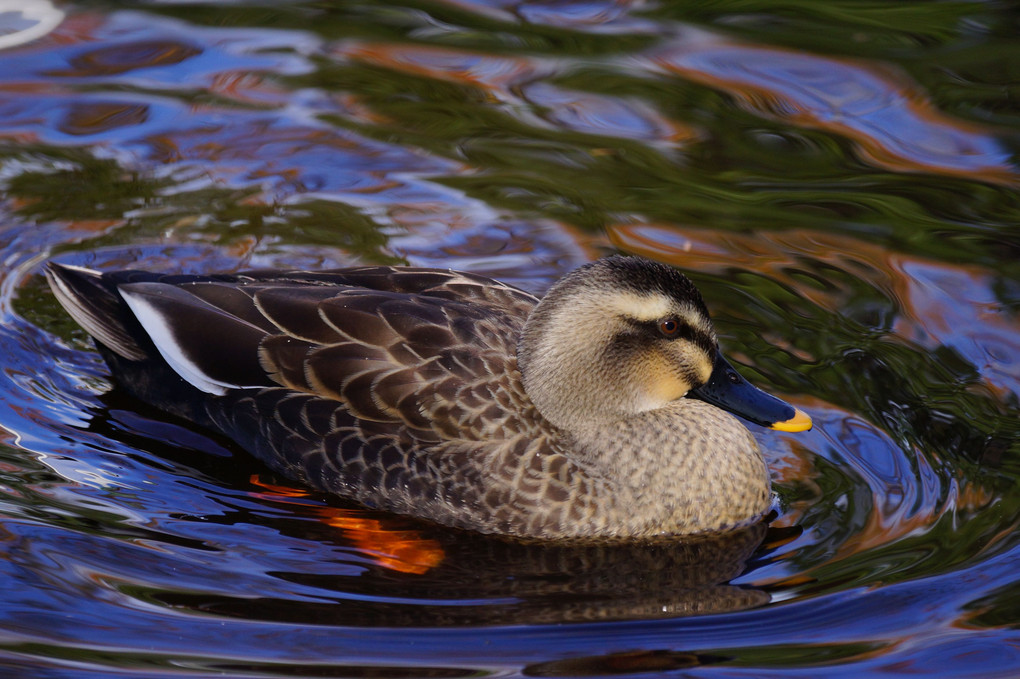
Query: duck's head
{"type": "Point", "coordinates": [624, 335]}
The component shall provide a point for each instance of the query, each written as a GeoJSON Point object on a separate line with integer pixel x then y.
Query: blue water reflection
{"type": "Point", "coordinates": [840, 181]}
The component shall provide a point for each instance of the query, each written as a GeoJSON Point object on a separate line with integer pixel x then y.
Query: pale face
{"type": "Point", "coordinates": [615, 339]}
{"type": "Point", "coordinates": [664, 348]}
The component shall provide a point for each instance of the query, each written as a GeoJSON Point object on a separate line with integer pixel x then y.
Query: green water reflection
{"type": "Point", "coordinates": [839, 178]}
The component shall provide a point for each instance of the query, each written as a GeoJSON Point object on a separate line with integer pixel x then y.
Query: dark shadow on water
{"type": "Point", "coordinates": [637, 662]}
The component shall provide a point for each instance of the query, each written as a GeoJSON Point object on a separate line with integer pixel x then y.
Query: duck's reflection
{"type": "Point", "coordinates": [634, 662]}
{"type": "Point", "coordinates": [477, 580]}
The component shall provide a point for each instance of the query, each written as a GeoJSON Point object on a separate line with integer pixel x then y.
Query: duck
{"type": "Point", "coordinates": [602, 410]}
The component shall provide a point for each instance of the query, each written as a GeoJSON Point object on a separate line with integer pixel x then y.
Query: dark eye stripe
{"type": "Point", "coordinates": [686, 331]}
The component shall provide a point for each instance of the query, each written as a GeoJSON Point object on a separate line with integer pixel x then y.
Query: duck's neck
{"type": "Point", "coordinates": [686, 467]}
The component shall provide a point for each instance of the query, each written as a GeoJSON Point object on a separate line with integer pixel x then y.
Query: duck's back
{"type": "Point", "coordinates": [426, 348]}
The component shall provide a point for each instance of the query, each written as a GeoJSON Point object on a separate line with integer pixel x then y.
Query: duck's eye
{"type": "Point", "coordinates": [669, 328]}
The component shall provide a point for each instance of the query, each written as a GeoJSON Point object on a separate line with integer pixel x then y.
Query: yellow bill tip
{"type": "Point", "coordinates": [800, 421]}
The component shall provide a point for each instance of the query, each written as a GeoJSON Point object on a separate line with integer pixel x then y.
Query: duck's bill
{"type": "Point", "coordinates": [729, 391]}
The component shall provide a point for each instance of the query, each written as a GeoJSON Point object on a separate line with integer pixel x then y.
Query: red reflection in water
{"type": "Point", "coordinates": [296, 159]}
{"type": "Point", "coordinates": [75, 27]}
{"type": "Point", "coordinates": [121, 58]}
{"type": "Point", "coordinates": [893, 123]}
{"type": "Point", "coordinates": [495, 74]}
{"type": "Point", "coordinates": [248, 88]}
{"type": "Point", "coordinates": [384, 539]}
{"type": "Point", "coordinates": [500, 76]}
{"type": "Point", "coordinates": [86, 118]}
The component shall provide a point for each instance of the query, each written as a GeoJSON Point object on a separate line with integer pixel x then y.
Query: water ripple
{"type": "Point", "coordinates": [854, 242]}
{"type": "Point", "coordinates": [892, 122]}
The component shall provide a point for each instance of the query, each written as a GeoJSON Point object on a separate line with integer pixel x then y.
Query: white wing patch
{"type": "Point", "coordinates": [161, 334]}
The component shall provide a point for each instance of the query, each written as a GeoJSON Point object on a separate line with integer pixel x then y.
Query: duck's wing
{"type": "Point", "coordinates": [431, 350]}
{"type": "Point", "coordinates": [442, 368]}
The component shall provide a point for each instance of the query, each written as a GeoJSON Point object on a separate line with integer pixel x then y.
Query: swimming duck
{"type": "Point", "coordinates": [598, 411]}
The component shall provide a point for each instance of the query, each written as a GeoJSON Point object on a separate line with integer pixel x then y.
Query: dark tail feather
{"type": "Point", "coordinates": [92, 300]}
{"type": "Point", "coordinates": [94, 303]}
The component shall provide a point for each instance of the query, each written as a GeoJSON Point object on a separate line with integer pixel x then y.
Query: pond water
{"type": "Point", "coordinates": [840, 179]}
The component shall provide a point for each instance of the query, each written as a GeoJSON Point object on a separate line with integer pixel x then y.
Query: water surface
{"type": "Point", "coordinates": [839, 178]}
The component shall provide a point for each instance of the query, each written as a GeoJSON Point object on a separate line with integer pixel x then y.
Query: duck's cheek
{"type": "Point", "coordinates": [660, 382]}
{"type": "Point", "coordinates": [669, 388]}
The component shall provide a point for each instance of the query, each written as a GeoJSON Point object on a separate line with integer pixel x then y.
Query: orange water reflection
{"type": "Point", "coordinates": [385, 540]}
{"type": "Point", "coordinates": [491, 73]}
{"type": "Point", "coordinates": [106, 60]}
{"type": "Point", "coordinates": [86, 118]}
{"type": "Point", "coordinates": [892, 121]}
{"type": "Point", "coordinates": [524, 83]}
